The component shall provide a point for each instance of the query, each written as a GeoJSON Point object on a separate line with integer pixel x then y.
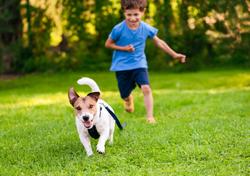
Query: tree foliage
{"type": "Point", "coordinates": [70, 34]}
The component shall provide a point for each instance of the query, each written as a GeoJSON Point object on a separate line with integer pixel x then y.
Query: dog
{"type": "Point", "coordinates": [92, 117]}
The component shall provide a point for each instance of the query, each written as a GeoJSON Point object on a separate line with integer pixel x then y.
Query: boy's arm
{"type": "Point", "coordinates": [111, 44]}
{"type": "Point", "coordinates": [164, 46]}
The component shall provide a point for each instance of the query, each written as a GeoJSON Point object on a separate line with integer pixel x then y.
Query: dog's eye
{"type": "Point", "coordinates": [91, 106]}
{"type": "Point", "coordinates": [78, 108]}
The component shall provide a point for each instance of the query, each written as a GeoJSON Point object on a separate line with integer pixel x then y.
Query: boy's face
{"type": "Point", "coordinates": [133, 17]}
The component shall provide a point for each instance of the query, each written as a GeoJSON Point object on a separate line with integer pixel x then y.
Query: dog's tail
{"type": "Point", "coordinates": [90, 82]}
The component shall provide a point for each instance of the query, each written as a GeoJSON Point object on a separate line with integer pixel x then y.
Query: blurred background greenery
{"type": "Point", "coordinates": [44, 35]}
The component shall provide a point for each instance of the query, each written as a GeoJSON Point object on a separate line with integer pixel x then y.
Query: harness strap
{"type": "Point", "coordinates": [93, 131]}
{"type": "Point", "coordinates": [118, 123]}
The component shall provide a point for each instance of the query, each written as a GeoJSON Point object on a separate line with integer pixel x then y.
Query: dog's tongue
{"type": "Point", "coordinates": [87, 124]}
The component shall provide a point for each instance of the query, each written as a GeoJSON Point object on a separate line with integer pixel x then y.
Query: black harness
{"type": "Point", "coordinates": [94, 133]}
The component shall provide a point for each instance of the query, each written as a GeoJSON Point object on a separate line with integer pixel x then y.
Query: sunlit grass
{"type": "Point", "coordinates": [202, 129]}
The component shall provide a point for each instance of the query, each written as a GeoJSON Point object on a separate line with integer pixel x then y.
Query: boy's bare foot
{"type": "Point", "coordinates": [129, 104]}
{"type": "Point", "coordinates": [151, 120]}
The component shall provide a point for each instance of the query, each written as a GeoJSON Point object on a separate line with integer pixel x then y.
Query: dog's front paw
{"type": "Point", "coordinates": [100, 149]}
{"type": "Point", "coordinates": [90, 154]}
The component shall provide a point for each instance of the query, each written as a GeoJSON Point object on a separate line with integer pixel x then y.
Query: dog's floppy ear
{"type": "Point", "coordinates": [95, 95]}
{"type": "Point", "coordinates": [72, 96]}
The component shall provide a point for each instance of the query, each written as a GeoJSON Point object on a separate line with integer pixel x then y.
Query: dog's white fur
{"type": "Point", "coordinates": [90, 111]}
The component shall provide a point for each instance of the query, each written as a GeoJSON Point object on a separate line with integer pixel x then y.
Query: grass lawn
{"type": "Point", "coordinates": [202, 126]}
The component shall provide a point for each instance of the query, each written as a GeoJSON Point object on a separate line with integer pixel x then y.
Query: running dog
{"type": "Point", "coordinates": [92, 117]}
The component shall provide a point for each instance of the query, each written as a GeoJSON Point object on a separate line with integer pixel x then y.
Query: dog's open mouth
{"type": "Point", "coordinates": [87, 124]}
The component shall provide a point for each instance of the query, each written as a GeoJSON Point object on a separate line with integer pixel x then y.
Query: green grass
{"type": "Point", "coordinates": [203, 126]}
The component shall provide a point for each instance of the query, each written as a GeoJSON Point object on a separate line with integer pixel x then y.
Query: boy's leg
{"type": "Point", "coordinates": [129, 103]}
{"type": "Point", "coordinates": [142, 80]}
{"type": "Point", "coordinates": [148, 101]}
{"type": "Point", "coordinates": [126, 84]}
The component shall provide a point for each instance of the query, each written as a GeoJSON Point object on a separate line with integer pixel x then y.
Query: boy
{"type": "Point", "coordinates": [127, 39]}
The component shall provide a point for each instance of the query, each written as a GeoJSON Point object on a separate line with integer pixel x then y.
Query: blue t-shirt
{"type": "Point", "coordinates": [123, 35]}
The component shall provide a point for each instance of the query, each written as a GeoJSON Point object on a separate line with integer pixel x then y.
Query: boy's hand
{"type": "Point", "coordinates": [180, 57]}
{"type": "Point", "coordinates": [129, 48]}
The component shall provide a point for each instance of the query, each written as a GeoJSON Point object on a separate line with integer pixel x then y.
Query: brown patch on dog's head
{"type": "Point", "coordinates": [83, 104]}
{"type": "Point", "coordinates": [94, 95]}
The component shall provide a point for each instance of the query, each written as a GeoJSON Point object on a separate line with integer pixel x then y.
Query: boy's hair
{"type": "Point", "coordinates": [133, 4]}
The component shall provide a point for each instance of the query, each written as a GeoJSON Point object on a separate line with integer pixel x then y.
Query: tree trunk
{"type": "Point", "coordinates": [10, 32]}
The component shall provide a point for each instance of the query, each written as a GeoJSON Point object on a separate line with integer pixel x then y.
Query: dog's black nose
{"type": "Point", "coordinates": [85, 118]}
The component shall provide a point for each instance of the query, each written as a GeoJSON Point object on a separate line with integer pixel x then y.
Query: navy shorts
{"type": "Point", "coordinates": [128, 79]}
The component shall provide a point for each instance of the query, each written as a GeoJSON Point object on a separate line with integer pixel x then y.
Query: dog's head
{"type": "Point", "coordinates": [85, 107]}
